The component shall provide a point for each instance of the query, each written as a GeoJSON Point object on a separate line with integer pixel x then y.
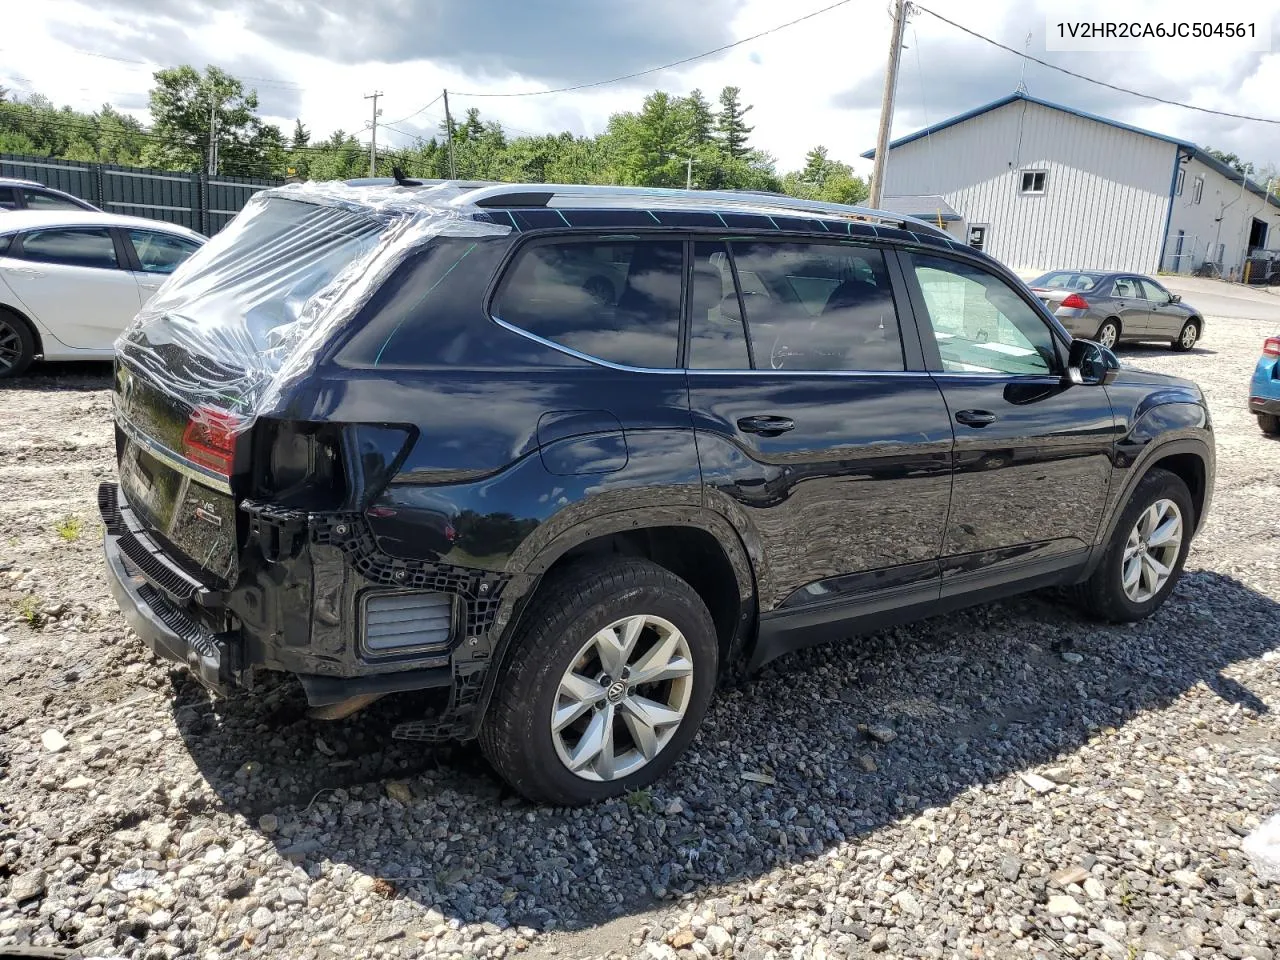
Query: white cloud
{"type": "Point", "coordinates": [817, 82]}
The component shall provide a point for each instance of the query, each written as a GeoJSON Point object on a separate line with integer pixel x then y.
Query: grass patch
{"type": "Point", "coordinates": [69, 528]}
{"type": "Point", "coordinates": [29, 609]}
{"type": "Point", "coordinates": [641, 800]}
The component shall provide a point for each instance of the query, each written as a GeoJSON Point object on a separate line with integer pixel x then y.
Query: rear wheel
{"type": "Point", "coordinates": [1109, 333]}
{"type": "Point", "coordinates": [1145, 556]}
{"type": "Point", "coordinates": [1187, 337]}
{"type": "Point", "coordinates": [17, 345]}
{"type": "Point", "coordinates": [609, 680]}
{"type": "Point", "coordinates": [1269, 423]}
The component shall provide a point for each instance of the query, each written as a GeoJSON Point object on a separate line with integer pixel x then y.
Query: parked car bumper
{"type": "Point", "coordinates": [1264, 389]}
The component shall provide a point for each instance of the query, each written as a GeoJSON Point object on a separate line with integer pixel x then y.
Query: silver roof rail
{"type": "Point", "coordinates": [569, 195]}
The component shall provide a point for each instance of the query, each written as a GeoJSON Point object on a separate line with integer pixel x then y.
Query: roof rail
{"type": "Point", "coordinates": [570, 195]}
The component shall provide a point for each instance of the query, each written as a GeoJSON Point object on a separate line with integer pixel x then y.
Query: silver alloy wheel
{"type": "Point", "coordinates": [1151, 551]}
{"type": "Point", "coordinates": [1189, 335]}
{"type": "Point", "coordinates": [1108, 335]}
{"type": "Point", "coordinates": [10, 345]}
{"type": "Point", "coordinates": [622, 698]}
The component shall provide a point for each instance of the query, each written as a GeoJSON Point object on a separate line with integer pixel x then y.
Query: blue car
{"type": "Point", "coordinates": [1264, 390]}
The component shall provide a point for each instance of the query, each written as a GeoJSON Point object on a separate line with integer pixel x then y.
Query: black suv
{"type": "Point", "coordinates": [570, 453]}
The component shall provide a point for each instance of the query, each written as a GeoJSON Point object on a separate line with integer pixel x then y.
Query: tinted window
{"type": "Point", "coordinates": [79, 247]}
{"type": "Point", "coordinates": [8, 200]}
{"type": "Point", "coordinates": [1153, 290]}
{"type": "Point", "coordinates": [980, 323]}
{"type": "Point", "coordinates": [160, 252]}
{"type": "Point", "coordinates": [818, 306]}
{"type": "Point", "coordinates": [618, 300]}
{"type": "Point", "coordinates": [717, 338]}
{"type": "Point", "coordinates": [39, 200]}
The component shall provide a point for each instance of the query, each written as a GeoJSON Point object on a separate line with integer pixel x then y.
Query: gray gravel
{"type": "Point", "coordinates": [1010, 781]}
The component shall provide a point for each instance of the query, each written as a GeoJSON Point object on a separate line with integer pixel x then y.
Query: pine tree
{"type": "Point", "coordinates": [731, 126]}
{"type": "Point", "coordinates": [816, 166]}
{"type": "Point", "coordinates": [301, 135]}
{"type": "Point", "coordinates": [700, 121]}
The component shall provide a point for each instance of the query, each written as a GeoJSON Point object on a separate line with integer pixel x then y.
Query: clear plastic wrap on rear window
{"type": "Point", "coordinates": [246, 315]}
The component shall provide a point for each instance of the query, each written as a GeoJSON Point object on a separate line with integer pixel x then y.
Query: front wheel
{"type": "Point", "coordinates": [1147, 550]}
{"type": "Point", "coordinates": [1108, 334]}
{"type": "Point", "coordinates": [17, 345]}
{"type": "Point", "coordinates": [1188, 337]}
{"type": "Point", "coordinates": [610, 677]}
{"type": "Point", "coordinates": [1269, 423]}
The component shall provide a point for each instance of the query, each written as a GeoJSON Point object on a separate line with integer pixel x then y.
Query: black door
{"type": "Point", "coordinates": [819, 434]}
{"type": "Point", "coordinates": [1032, 452]}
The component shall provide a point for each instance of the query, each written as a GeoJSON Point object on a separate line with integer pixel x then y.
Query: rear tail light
{"type": "Point", "coordinates": [1271, 347]}
{"type": "Point", "coordinates": [210, 438]}
{"type": "Point", "coordinates": [1075, 302]}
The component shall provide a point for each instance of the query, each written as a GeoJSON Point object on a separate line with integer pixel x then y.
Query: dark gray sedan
{"type": "Point", "coordinates": [1115, 307]}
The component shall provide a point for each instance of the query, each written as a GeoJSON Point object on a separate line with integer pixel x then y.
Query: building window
{"type": "Point", "coordinates": [978, 236]}
{"type": "Point", "coordinates": [1033, 181]}
{"type": "Point", "coordinates": [1182, 176]}
{"type": "Point", "coordinates": [1197, 188]}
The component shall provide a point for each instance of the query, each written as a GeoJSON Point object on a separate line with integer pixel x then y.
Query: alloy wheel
{"type": "Point", "coordinates": [10, 345]}
{"type": "Point", "coordinates": [1151, 551]}
{"type": "Point", "coordinates": [622, 698]}
{"type": "Point", "coordinates": [1188, 338]}
{"type": "Point", "coordinates": [1107, 336]}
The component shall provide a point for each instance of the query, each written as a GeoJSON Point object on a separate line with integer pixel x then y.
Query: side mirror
{"type": "Point", "coordinates": [1091, 364]}
{"type": "Point", "coordinates": [1175, 298]}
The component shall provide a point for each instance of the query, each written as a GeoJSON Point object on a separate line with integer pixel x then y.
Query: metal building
{"type": "Point", "coordinates": [1040, 186]}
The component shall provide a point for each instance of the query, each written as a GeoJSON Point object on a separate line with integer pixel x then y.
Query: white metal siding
{"type": "Point", "coordinates": [1106, 196]}
{"type": "Point", "coordinates": [1220, 198]}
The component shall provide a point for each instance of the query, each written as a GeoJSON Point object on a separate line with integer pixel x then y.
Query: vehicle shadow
{"type": "Point", "coordinates": [46, 377]}
{"type": "Point", "coordinates": [783, 771]}
{"type": "Point", "coordinates": [1159, 349]}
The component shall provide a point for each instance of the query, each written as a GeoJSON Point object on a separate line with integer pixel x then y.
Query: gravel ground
{"type": "Point", "coordinates": [1011, 781]}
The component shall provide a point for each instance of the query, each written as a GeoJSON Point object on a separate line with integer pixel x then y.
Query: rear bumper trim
{"type": "Point", "coordinates": [1264, 405]}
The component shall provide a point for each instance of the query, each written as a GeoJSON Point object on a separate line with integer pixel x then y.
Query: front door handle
{"type": "Point", "coordinates": [975, 418]}
{"type": "Point", "coordinates": [767, 426]}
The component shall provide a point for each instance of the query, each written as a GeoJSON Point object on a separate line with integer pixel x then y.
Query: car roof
{"type": "Point", "coordinates": [16, 220]}
{"type": "Point", "coordinates": [21, 182]}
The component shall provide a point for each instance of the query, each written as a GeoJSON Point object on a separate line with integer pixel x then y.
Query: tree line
{"type": "Point", "coordinates": [670, 139]}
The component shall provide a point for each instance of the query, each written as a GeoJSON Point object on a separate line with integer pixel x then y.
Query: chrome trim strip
{"type": "Point", "coordinates": [192, 471]}
{"type": "Point", "coordinates": [575, 353]}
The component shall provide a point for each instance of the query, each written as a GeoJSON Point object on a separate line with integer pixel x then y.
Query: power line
{"type": "Point", "coordinates": [1093, 80]}
{"type": "Point", "coordinates": [665, 66]}
{"type": "Point", "coordinates": [418, 111]}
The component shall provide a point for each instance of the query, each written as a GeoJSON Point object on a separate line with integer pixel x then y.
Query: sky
{"type": "Point", "coordinates": [818, 82]}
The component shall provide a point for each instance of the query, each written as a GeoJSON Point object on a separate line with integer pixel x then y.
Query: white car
{"type": "Point", "coordinates": [71, 280]}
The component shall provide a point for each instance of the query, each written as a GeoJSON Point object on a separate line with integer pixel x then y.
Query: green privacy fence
{"type": "Point", "coordinates": [199, 201]}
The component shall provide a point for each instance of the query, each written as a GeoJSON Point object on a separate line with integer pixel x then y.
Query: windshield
{"type": "Point", "coordinates": [1065, 280]}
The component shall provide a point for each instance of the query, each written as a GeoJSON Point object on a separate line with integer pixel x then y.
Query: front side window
{"type": "Point", "coordinates": [981, 325]}
{"type": "Point", "coordinates": [39, 200]}
{"type": "Point", "coordinates": [73, 247]}
{"type": "Point", "coordinates": [817, 306]}
{"type": "Point", "coordinates": [618, 300]}
{"type": "Point", "coordinates": [717, 335]}
{"type": "Point", "coordinates": [1153, 291]}
{"type": "Point", "coordinates": [1033, 181]}
{"type": "Point", "coordinates": [160, 252]}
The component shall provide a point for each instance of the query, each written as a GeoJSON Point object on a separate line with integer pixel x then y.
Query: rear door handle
{"type": "Point", "coordinates": [768, 426]}
{"type": "Point", "coordinates": [975, 418]}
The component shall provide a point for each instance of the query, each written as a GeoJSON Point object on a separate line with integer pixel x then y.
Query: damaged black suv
{"type": "Point", "coordinates": [566, 454]}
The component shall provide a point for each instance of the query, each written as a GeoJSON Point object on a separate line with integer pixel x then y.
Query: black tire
{"type": "Point", "coordinates": [1269, 423]}
{"type": "Point", "coordinates": [17, 345]}
{"type": "Point", "coordinates": [1178, 344]}
{"type": "Point", "coordinates": [1114, 324]}
{"type": "Point", "coordinates": [516, 735]}
{"type": "Point", "coordinates": [1103, 595]}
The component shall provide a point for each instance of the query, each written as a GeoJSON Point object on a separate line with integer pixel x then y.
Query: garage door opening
{"type": "Point", "coordinates": [1257, 235]}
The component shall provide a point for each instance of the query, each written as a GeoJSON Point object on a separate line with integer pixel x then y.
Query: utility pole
{"type": "Point", "coordinates": [373, 135]}
{"type": "Point", "coordinates": [213, 139]}
{"type": "Point", "coordinates": [448, 123]}
{"type": "Point", "coordinates": [886, 106]}
{"type": "Point", "coordinates": [688, 173]}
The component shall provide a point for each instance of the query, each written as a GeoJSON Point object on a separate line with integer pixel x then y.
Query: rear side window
{"type": "Point", "coordinates": [4, 244]}
{"type": "Point", "coordinates": [78, 247]}
{"type": "Point", "coordinates": [8, 199]}
{"type": "Point", "coordinates": [617, 300]}
{"type": "Point", "coordinates": [39, 200]}
{"type": "Point", "coordinates": [818, 306]}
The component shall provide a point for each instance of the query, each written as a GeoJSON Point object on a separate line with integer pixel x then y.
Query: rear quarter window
{"type": "Point", "coordinates": [614, 300]}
